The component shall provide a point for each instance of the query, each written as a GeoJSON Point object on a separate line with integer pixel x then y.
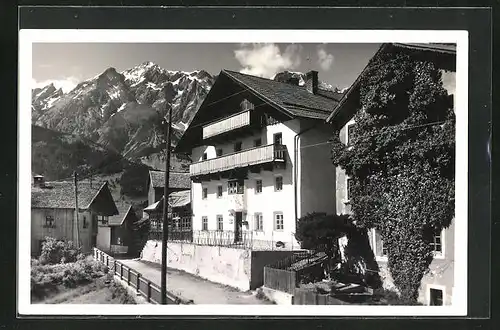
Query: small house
{"type": "Point", "coordinates": [156, 184]}
{"type": "Point", "coordinates": [53, 206]}
{"type": "Point", "coordinates": [179, 213]}
{"type": "Point", "coordinates": [117, 234]}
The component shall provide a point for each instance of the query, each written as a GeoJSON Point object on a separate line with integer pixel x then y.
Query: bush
{"type": "Point", "coordinates": [48, 277]}
{"type": "Point", "coordinates": [56, 252]}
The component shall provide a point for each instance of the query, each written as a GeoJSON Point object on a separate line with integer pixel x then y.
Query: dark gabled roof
{"type": "Point", "coordinates": [123, 210]}
{"type": "Point", "coordinates": [448, 49]}
{"type": "Point", "coordinates": [177, 180]}
{"type": "Point", "coordinates": [61, 195]}
{"type": "Point", "coordinates": [293, 99]}
{"type": "Point", "coordinates": [434, 47]}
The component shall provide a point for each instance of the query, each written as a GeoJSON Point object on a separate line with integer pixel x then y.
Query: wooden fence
{"type": "Point", "coordinates": [134, 279]}
{"type": "Point", "coordinates": [280, 279]}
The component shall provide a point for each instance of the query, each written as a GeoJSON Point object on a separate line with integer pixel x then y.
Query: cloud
{"type": "Point", "coordinates": [265, 60]}
{"type": "Point", "coordinates": [325, 60]}
{"type": "Point", "coordinates": [66, 83]}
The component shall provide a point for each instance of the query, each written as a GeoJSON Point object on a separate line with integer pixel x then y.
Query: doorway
{"type": "Point", "coordinates": [238, 224]}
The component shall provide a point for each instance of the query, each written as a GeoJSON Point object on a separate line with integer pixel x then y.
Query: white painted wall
{"type": "Point", "coordinates": [317, 180]}
{"type": "Point", "coordinates": [217, 264]}
{"type": "Point", "coordinates": [104, 238]}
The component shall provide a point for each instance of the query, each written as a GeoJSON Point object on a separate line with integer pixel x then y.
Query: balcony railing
{"type": "Point", "coordinates": [254, 156]}
{"type": "Point", "coordinates": [119, 249]}
{"type": "Point", "coordinates": [238, 120]}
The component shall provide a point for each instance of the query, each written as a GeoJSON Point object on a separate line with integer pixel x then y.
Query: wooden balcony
{"type": "Point", "coordinates": [269, 154]}
{"type": "Point", "coordinates": [239, 120]}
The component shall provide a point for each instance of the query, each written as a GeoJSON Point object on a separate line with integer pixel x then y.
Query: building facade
{"type": "Point", "coordinates": [260, 159]}
{"type": "Point", "coordinates": [116, 235]}
{"type": "Point", "coordinates": [53, 206]}
{"type": "Point", "coordinates": [437, 286]}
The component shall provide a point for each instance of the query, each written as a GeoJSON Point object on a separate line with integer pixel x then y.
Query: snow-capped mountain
{"type": "Point", "coordinates": [124, 110]}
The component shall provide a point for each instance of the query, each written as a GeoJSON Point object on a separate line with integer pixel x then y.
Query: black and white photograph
{"type": "Point", "coordinates": [279, 172]}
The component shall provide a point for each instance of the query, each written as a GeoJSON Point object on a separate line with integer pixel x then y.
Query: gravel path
{"type": "Point", "coordinates": [194, 288]}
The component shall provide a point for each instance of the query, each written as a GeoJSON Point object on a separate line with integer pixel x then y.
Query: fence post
{"type": "Point", "coordinates": [138, 281]}
{"type": "Point", "coordinates": [149, 291]}
{"type": "Point", "coordinates": [114, 266]}
{"type": "Point", "coordinates": [121, 271]}
{"type": "Point", "coordinates": [128, 276]}
{"type": "Point", "coordinates": [107, 261]}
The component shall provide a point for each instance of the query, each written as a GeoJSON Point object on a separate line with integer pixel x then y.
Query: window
{"type": "Point", "coordinates": [218, 152]}
{"type": "Point", "coordinates": [278, 183]}
{"type": "Point", "coordinates": [258, 186]}
{"type": "Point", "coordinates": [49, 221]}
{"type": "Point", "coordinates": [220, 223]}
{"type": "Point", "coordinates": [350, 130]}
{"type": "Point", "coordinates": [204, 193]}
{"type": "Point", "coordinates": [235, 187]}
{"type": "Point", "coordinates": [378, 245]}
{"type": "Point", "coordinates": [437, 244]}
{"type": "Point", "coordinates": [259, 222]}
{"type": "Point", "coordinates": [204, 223]}
{"type": "Point", "coordinates": [85, 223]}
{"type": "Point", "coordinates": [219, 191]}
{"type": "Point", "coordinates": [205, 156]}
{"type": "Point", "coordinates": [237, 146]}
{"type": "Point", "coordinates": [435, 297]}
{"type": "Point", "coordinates": [257, 142]}
{"type": "Point", "coordinates": [349, 184]}
{"type": "Point", "coordinates": [278, 221]}
{"type": "Point", "coordinates": [278, 139]}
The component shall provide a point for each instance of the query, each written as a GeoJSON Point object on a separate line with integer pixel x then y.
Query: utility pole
{"type": "Point", "coordinates": [77, 243]}
{"type": "Point", "coordinates": [165, 211]}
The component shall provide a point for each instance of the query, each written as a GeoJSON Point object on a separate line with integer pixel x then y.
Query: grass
{"type": "Point", "coordinates": [103, 290]}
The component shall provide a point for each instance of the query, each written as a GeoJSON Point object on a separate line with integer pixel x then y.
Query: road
{"type": "Point", "coordinates": [194, 288]}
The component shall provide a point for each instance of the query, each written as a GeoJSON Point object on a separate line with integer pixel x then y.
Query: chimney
{"type": "Point", "coordinates": [38, 181]}
{"type": "Point", "coordinates": [312, 82]}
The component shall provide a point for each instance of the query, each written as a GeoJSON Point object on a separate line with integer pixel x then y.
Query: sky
{"type": "Point", "coordinates": [67, 64]}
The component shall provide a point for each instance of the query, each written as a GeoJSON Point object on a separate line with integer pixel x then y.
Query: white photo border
{"type": "Point", "coordinates": [28, 37]}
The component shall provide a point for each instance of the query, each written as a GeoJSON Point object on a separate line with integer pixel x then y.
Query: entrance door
{"type": "Point", "coordinates": [238, 223]}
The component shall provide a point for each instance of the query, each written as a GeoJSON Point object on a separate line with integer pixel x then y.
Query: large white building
{"type": "Point", "coordinates": [261, 159]}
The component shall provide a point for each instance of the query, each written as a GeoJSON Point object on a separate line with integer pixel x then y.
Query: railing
{"type": "Point", "coordinates": [285, 275]}
{"type": "Point", "coordinates": [119, 249]}
{"type": "Point", "coordinates": [134, 279]}
{"type": "Point", "coordinates": [254, 156]}
{"type": "Point", "coordinates": [174, 236]}
{"type": "Point", "coordinates": [238, 120]}
{"type": "Point", "coordinates": [246, 239]}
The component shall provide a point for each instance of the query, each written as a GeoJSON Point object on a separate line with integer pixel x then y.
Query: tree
{"type": "Point", "coordinates": [402, 162]}
{"type": "Point", "coordinates": [320, 232]}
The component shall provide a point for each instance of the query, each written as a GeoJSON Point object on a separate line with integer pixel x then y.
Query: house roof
{"type": "Point", "coordinates": [176, 199]}
{"type": "Point", "coordinates": [61, 194]}
{"type": "Point", "coordinates": [123, 210]}
{"type": "Point", "coordinates": [177, 180]}
{"type": "Point", "coordinates": [448, 49]}
{"type": "Point", "coordinates": [293, 99]}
